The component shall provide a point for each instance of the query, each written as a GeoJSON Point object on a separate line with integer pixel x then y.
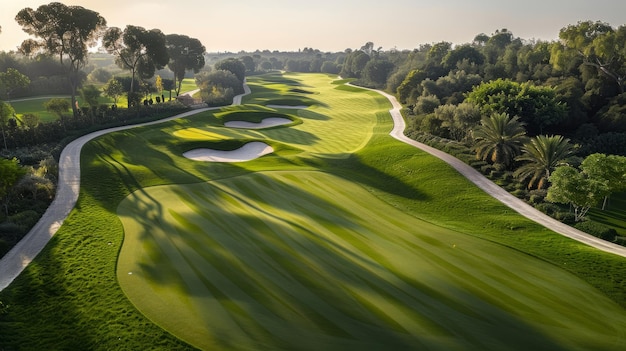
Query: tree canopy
{"type": "Point", "coordinates": [185, 54]}
{"type": "Point", "coordinates": [234, 66]}
{"type": "Point", "coordinates": [138, 50]}
{"type": "Point", "coordinates": [541, 156]}
{"type": "Point", "coordinates": [569, 186]}
{"type": "Point", "coordinates": [600, 45]}
{"type": "Point", "coordinates": [11, 80]}
{"type": "Point", "coordinates": [536, 106]}
{"type": "Point", "coordinates": [66, 32]}
{"type": "Point", "coordinates": [499, 138]}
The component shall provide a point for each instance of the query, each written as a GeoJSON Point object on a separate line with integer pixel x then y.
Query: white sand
{"type": "Point", "coordinates": [265, 123]}
{"type": "Point", "coordinates": [249, 151]}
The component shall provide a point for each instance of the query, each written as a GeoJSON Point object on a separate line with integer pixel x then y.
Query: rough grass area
{"type": "Point", "coordinates": [343, 238]}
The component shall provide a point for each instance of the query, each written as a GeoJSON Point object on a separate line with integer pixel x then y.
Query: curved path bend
{"type": "Point", "coordinates": [496, 191]}
{"type": "Point", "coordinates": [14, 262]}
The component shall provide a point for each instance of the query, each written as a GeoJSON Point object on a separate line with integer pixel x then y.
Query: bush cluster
{"type": "Point", "coordinates": [597, 229]}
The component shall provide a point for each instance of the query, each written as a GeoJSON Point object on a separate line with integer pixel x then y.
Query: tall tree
{"type": "Point", "coordinates": [537, 106]}
{"type": "Point", "coordinates": [249, 63]}
{"type": "Point", "coordinates": [570, 186]}
{"type": "Point", "coordinates": [608, 168]}
{"type": "Point", "coordinates": [376, 71]}
{"type": "Point", "coordinates": [138, 50]}
{"type": "Point", "coordinates": [499, 138]}
{"type": "Point", "coordinates": [6, 111]}
{"type": "Point", "coordinates": [12, 80]}
{"type": "Point", "coordinates": [113, 89]}
{"type": "Point", "coordinates": [10, 173]}
{"type": "Point", "coordinates": [542, 155]}
{"type": "Point", "coordinates": [600, 45]}
{"type": "Point", "coordinates": [66, 32]}
{"type": "Point", "coordinates": [185, 54]}
{"type": "Point", "coordinates": [234, 66]}
{"type": "Point", "coordinates": [410, 88]}
{"type": "Point", "coordinates": [461, 53]}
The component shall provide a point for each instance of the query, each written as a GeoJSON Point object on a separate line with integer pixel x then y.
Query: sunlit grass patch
{"type": "Point", "coordinates": [343, 238]}
{"type": "Point", "coordinates": [321, 258]}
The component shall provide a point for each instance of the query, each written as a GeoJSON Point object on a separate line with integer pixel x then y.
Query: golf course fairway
{"type": "Point", "coordinates": [307, 260]}
{"type": "Point", "coordinates": [312, 248]}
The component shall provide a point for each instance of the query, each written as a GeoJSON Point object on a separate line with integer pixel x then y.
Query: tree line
{"type": "Point", "coordinates": [513, 108]}
{"type": "Point", "coordinates": [525, 112]}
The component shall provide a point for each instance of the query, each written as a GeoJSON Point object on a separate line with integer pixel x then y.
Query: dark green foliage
{"type": "Point", "coordinates": [499, 139]}
{"type": "Point", "coordinates": [606, 143]}
{"type": "Point", "coordinates": [185, 54]}
{"type": "Point", "coordinates": [233, 65]}
{"type": "Point", "coordinates": [410, 88]}
{"type": "Point", "coordinates": [597, 229]}
{"type": "Point", "coordinates": [612, 117]}
{"type": "Point", "coordinates": [537, 107]}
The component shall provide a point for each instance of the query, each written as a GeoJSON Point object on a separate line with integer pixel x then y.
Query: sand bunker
{"type": "Point", "coordinates": [247, 152]}
{"type": "Point", "coordinates": [265, 123]}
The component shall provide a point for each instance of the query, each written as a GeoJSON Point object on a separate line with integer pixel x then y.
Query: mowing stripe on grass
{"type": "Point", "coordinates": [296, 260]}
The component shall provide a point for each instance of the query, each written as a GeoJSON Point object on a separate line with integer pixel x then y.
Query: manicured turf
{"type": "Point", "coordinates": [302, 249]}
{"type": "Point", "coordinates": [36, 107]}
{"type": "Point", "coordinates": [613, 215]}
{"type": "Point", "coordinates": [307, 260]}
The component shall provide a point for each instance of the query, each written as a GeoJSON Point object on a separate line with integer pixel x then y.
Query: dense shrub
{"type": "Point", "coordinates": [538, 195]}
{"type": "Point", "coordinates": [565, 217]}
{"type": "Point", "coordinates": [597, 229]}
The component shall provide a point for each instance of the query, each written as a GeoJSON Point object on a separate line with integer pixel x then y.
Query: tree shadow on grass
{"type": "Point", "coordinates": [352, 168]}
{"type": "Point", "coordinates": [310, 114]}
{"type": "Point", "coordinates": [58, 303]}
{"type": "Point", "coordinates": [298, 287]}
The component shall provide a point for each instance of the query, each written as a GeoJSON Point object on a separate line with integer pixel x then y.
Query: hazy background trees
{"type": "Point", "coordinates": [138, 50]}
{"type": "Point", "coordinates": [185, 54]}
{"type": "Point", "coordinates": [61, 35]}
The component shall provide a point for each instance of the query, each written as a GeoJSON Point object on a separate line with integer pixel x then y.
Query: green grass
{"type": "Point", "coordinates": [36, 106]}
{"type": "Point", "coordinates": [307, 259]}
{"type": "Point", "coordinates": [302, 249]}
{"type": "Point", "coordinates": [188, 84]}
{"type": "Point", "coordinates": [613, 215]}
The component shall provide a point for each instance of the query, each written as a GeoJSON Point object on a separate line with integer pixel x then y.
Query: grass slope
{"type": "Point", "coordinates": [307, 260]}
{"type": "Point", "coordinates": [365, 282]}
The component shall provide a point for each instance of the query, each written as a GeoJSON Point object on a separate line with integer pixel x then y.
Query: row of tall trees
{"type": "Point", "coordinates": [68, 32]}
{"type": "Point", "coordinates": [53, 60]}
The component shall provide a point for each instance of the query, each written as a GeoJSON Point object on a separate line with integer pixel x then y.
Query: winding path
{"type": "Point", "coordinates": [14, 262]}
{"type": "Point", "coordinates": [494, 190]}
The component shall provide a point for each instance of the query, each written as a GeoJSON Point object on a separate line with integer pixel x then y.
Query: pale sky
{"type": "Point", "coordinates": [332, 25]}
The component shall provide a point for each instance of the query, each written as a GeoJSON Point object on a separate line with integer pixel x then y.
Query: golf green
{"type": "Point", "coordinates": [311, 261]}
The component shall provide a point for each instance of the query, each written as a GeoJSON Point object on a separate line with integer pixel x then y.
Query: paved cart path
{"type": "Point", "coordinates": [496, 191]}
{"type": "Point", "coordinates": [14, 262]}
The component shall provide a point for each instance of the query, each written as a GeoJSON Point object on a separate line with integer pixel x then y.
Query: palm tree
{"type": "Point", "coordinates": [499, 138]}
{"type": "Point", "coordinates": [542, 155]}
